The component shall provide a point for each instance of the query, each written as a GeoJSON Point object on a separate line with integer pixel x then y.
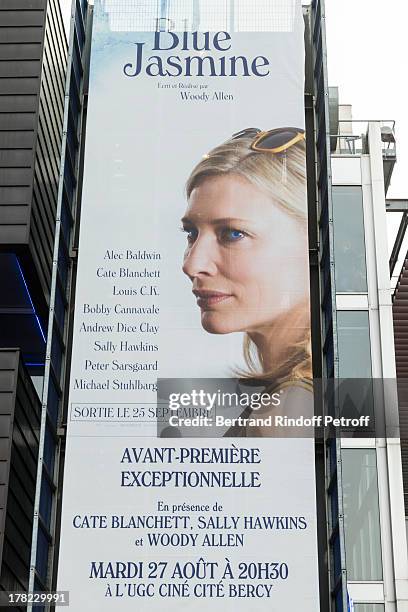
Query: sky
{"type": "Point", "coordinates": [366, 47]}
{"type": "Point", "coordinates": [367, 50]}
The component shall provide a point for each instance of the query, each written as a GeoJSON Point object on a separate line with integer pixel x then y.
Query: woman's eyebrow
{"type": "Point", "coordinates": [218, 221]}
{"type": "Point", "coordinates": [187, 221]}
{"type": "Point", "coordinates": [228, 221]}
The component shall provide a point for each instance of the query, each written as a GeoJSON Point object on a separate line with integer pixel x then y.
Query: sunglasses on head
{"type": "Point", "coordinates": [272, 141]}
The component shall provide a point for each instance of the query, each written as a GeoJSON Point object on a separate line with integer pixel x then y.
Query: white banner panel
{"type": "Point", "coordinates": [195, 122]}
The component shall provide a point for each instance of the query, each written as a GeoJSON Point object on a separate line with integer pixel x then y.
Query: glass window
{"type": "Point", "coordinates": [69, 181]}
{"type": "Point", "coordinates": [80, 31]}
{"type": "Point", "coordinates": [339, 601]}
{"type": "Point", "coordinates": [349, 244]}
{"type": "Point", "coordinates": [74, 102]}
{"type": "Point", "coordinates": [53, 402]}
{"type": "Point", "coordinates": [336, 558]}
{"type": "Point", "coordinates": [42, 554]}
{"type": "Point", "coordinates": [368, 607]}
{"type": "Point", "coordinates": [83, 7]}
{"type": "Point", "coordinates": [334, 507]}
{"type": "Point", "coordinates": [46, 502]}
{"type": "Point", "coordinates": [328, 352]}
{"type": "Point", "coordinates": [76, 55]}
{"type": "Point", "coordinates": [38, 382]}
{"type": "Point", "coordinates": [353, 344]}
{"type": "Point", "coordinates": [332, 456]}
{"type": "Point", "coordinates": [63, 264]}
{"type": "Point", "coordinates": [56, 354]}
{"type": "Point", "coordinates": [361, 514]}
{"type": "Point", "coordinates": [71, 148]}
{"type": "Point", "coordinates": [59, 308]}
{"type": "Point", "coordinates": [49, 450]}
{"type": "Point", "coordinates": [66, 221]}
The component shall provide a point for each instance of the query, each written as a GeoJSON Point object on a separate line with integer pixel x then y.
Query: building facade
{"type": "Point", "coordinates": [359, 488]}
{"type": "Point", "coordinates": [41, 105]}
{"type": "Point", "coordinates": [371, 475]}
{"type": "Point", "coordinates": [33, 66]}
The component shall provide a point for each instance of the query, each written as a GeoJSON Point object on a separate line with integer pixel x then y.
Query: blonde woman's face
{"type": "Point", "coordinates": [246, 256]}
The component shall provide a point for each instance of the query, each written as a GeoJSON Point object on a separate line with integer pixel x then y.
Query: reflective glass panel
{"type": "Point", "coordinates": [349, 243]}
{"type": "Point", "coordinates": [353, 344]}
{"type": "Point", "coordinates": [361, 514]}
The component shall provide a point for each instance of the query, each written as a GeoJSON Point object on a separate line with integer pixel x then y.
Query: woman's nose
{"type": "Point", "coordinates": [199, 258]}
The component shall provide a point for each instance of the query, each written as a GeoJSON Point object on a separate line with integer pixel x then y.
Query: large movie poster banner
{"type": "Point", "coordinates": [193, 266]}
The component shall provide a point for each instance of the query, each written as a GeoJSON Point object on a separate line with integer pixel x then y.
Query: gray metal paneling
{"type": "Point", "coordinates": [22, 86]}
{"type": "Point", "coordinates": [14, 195]}
{"type": "Point", "coordinates": [32, 76]}
{"type": "Point", "coordinates": [19, 5]}
{"type": "Point", "coordinates": [48, 146]}
{"type": "Point", "coordinates": [16, 103]}
{"type": "Point", "coordinates": [29, 51]}
{"type": "Point", "coordinates": [8, 363]}
{"type": "Point", "coordinates": [17, 121]}
{"type": "Point", "coordinates": [32, 80]}
{"type": "Point", "coordinates": [20, 68]}
{"type": "Point", "coordinates": [26, 18]}
{"type": "Point", "coordinates": [21, 33]}
{"type": "Point", "coordinates": [20, 411]}
{"type": "Point", "coordinates": [15, 215]}
{"type": "Point", "coordinates": [17, 139]}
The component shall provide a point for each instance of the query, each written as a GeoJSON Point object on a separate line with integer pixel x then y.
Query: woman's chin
{"type": "Point", "coordinates": [214, 323]}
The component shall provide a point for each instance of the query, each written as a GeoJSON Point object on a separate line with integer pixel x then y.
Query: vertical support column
{"type": "Point", "coordinates": [56, 361]}
{"type": "Point", "coordinates": [389, 451]}
{"type": "Point", "coordinates": [336, 548]}
{"type": "Point", "coordinates": [316, 322]}
{"type": "Point", "coordinates": [338, 582]}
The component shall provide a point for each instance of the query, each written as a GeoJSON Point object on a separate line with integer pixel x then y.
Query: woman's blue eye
{"type": "Point", "coordinates": [233, 235]}
{"type": "Point", "coordinates": [191, 234]}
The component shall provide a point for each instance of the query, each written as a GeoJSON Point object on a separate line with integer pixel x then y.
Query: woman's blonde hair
{"type": "Point", "coordinates": [283, 177]}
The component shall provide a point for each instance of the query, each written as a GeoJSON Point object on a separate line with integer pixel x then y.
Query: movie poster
{"type": "Point", "coordinates": [191, 348]}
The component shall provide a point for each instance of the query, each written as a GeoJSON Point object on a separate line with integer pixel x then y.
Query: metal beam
{"type": "Point", "coordinates": [398, 241]}
{"type": "Point", "coordinates": [396, 205]}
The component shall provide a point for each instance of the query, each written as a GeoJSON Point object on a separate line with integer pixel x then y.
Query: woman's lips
{"type": "Point", "coordinates": [206, 297]}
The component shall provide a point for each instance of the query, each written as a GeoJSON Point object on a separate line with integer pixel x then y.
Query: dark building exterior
{"type": "Point", "coordinates": [19, 442]}
{"type": "Point", "coordinates": [33, 60]}
{"type": "Point", "coordinates": [33, 65]}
